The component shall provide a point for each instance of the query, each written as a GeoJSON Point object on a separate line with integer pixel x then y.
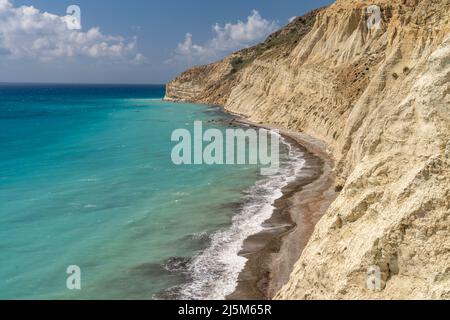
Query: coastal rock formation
{"type": "Point", "coordinates": [379, 96]}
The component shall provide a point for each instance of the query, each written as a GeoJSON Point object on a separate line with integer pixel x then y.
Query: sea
{"type": "Point", "coordinates": [87, 180]}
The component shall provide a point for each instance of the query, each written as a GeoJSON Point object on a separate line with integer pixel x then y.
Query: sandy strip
{"type": "Point", "coordinates": [272, 253]}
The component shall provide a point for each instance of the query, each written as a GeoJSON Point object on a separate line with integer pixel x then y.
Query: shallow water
{"type": "Point", "coordinates": [86, 179]}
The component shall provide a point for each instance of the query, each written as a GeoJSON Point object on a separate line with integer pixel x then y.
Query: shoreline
{"type": "Point", "coordinates": [272, 253]}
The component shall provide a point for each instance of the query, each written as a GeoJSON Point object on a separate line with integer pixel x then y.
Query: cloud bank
{"type": "Point", "coordinates": [226, 38]}
{"type": "Point", "coordinates": [26, 32]}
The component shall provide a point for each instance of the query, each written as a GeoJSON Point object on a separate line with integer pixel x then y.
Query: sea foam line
{"type": "Point", "coordinates": [216, 270]}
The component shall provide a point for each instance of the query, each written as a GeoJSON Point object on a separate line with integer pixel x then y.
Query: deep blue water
{"type": "Point", "coordinates": [86, 179]}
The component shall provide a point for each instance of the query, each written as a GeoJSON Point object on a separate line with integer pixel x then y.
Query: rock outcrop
{"type": "Point", "coordinates": [380, 98]}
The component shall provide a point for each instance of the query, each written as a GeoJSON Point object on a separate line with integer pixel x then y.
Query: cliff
{"type": "Point", "coordinates": [380, 98]}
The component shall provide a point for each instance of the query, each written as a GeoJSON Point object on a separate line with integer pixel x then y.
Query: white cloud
{"type": "Point", "coordinates": [292, 19]}
{"type": "Point", "coordinates": [26, 32]}
{"type": "Point", "coordinates": [4, 5]}
{"type": "Point", "coordinates": [227, 38]}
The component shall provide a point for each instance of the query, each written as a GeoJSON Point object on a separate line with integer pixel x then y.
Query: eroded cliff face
{"type": "Point", "coordinates": [381, 99]}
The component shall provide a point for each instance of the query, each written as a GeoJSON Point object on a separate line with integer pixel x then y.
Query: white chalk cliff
{"type": "Point", "coordinates": [380, 98]}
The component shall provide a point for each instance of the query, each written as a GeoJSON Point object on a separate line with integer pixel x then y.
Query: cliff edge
{"type": "Point", "coordinates": [380, 98]}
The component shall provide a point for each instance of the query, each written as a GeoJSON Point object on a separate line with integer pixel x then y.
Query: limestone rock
{"type": "Point", "coordinates": [381, 99]}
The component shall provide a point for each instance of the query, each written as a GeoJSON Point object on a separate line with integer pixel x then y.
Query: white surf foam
{"type": "Point", "coordinates": [216, 270]}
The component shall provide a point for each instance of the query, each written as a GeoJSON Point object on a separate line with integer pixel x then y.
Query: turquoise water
{"type": "Point", "coordinates": [86, 179]}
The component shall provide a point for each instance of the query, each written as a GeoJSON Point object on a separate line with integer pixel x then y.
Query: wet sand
{"type": "Point", "coordinates": [273, 252]}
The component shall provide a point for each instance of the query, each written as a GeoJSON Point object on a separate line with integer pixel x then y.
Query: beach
{"type": "Point", "coordinates": [258, 252]}
{"type": "Point", "coordinates": [273, 252]}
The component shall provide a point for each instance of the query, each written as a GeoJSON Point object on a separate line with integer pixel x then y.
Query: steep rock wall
{"type": "Point", "coordinates": [381, 99]}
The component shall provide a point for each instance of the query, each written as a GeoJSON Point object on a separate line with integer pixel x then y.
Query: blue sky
{"type": "Point", "coordinates": [133, 41]}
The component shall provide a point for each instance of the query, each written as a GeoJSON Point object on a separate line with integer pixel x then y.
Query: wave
{"type": "Point", "coordinates": [214, 273]}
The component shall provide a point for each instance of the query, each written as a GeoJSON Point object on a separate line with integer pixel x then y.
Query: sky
{"type": "Point", "coordinates": [132, 41]}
